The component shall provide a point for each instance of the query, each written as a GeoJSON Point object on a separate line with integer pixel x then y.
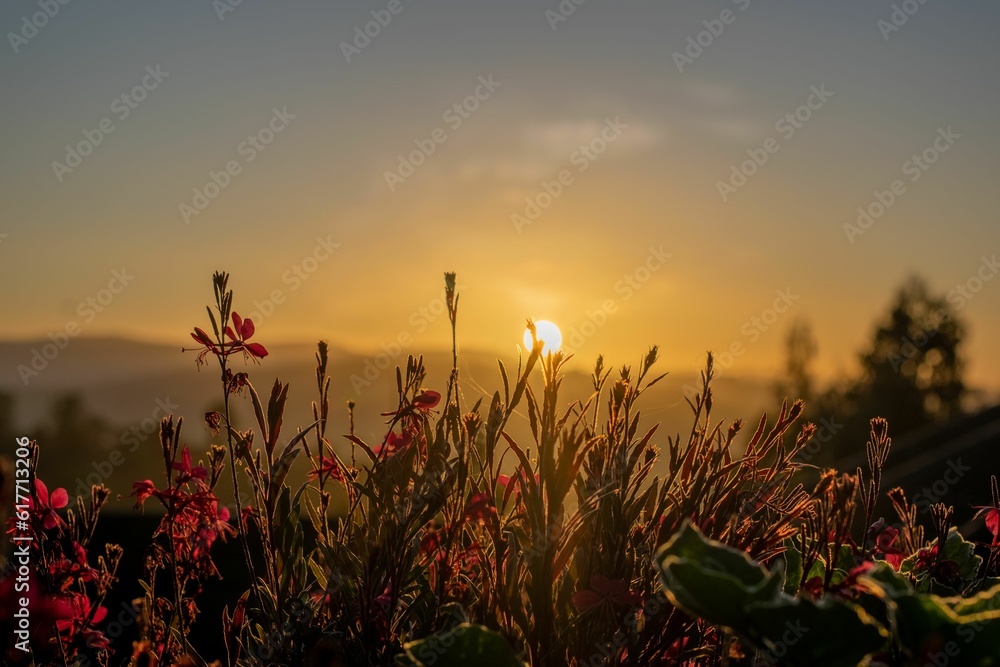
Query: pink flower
{"type": "Point", "coordinates": [47, 506]}
{"type": "Point", "coordinates": [884, 542]}
{"type": "Point", "coordinates": [992, 515]}
{"type": "Point", "coordinates": [426, 399]}
{"type": "Point", "coordinates": [142, 490]}
{"type": "Point", "coordinates": [187, 473]}
{"type": "Point", "coordinates": [245, 331]}
{"type": "Point", "coordinates": [241, 331]}
{"type": "Point", "coordinates": [394, 443]}
{"type": "Point", "coordinates": [329, 468]}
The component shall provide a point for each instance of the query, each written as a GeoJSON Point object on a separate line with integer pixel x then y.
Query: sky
{"type": "Point", "coordinates": [688, 175]}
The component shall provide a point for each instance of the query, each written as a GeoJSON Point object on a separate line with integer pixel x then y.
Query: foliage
{"type": "Point", "coordinates": [594, 541]}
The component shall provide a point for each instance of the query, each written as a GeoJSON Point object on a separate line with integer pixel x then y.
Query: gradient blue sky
{"type": "Point", "coordinates": [655, 185]}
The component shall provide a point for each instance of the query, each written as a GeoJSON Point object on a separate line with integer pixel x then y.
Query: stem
{"type": "Point", "coordinates": [236, 484]}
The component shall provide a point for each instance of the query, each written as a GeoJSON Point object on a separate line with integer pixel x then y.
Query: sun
{"type": "Point", "coordinates": [548, 333]}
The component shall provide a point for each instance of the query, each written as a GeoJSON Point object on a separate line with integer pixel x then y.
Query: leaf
{"type": "Point", "coordinates": [275, 414]}
{"type": "Point", "coordinates": [828, 632]}
{"type": "Point", "coordinates": [464, 645]}
{"type": "Point", "coordinates": [724, 586]}
{"type": "Point", "coordinates": [929, 624]}
{"type": "Point", "coordinates": [258, 411]}
{"type": "Point", "coordinates": [713, 581]}
{"type": "Point", "coordinates": [793, 567]}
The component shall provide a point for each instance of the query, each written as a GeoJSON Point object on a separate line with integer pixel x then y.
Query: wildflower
{"type": "Point", "coordinates": [603, 590]}
{"type": "Point", "coordinates": [187, 473]}
{"type": "Point", "coordinates": [245, 331]}
{"type": "Point", "coordinates": [142, 490]}
{"type": "Point", "coordinates": [992, 515]}
{"type": "Point", "coordinates": [426, 400]}
{"type": "Point", "coordinates": [480, 508]}
{"type": "Point", "coordinates": [329, 468]}
{"type": "Point", "coordinates": [47, 505]}
{"type": "Point", "coordinates": [82, 619]}
{"type": "Point", "coordinates": [65, 571]}
{"type": "Point", "coordinates": [248, 513]}
{"type": "Point", "coordinates": [236, 382]}
{"type": "Point", "coordinates": [394, 443]}
{"type": "Point", "coordinates": [884, 542]}
{"type": "Point", "coordinates": [238, 334]}
{"type": "Point", "coordinates": [213, 420]}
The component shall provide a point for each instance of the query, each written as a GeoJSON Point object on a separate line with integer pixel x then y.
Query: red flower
{"type": "Point", "coordinates": [142, 490]}
{"type": "Point", "coordinates": [480, 508]}
{"type": "Point", "coordinates": [245, 331]}
{"type": "Point", "coordinates": [603, 590]}
{"type": "Point", "coordinates": [241, 331]}
{"type": "Point", "coordinates": [431, 541]}
{"type": "Point", "coordinates": [992, 520]}
{"type": "Point", "coordinates": [521, 482]}
{"type": "Point", "coordinates": [329, 468]}
{"type": "Point", "coordinates": [394, 443]}
{"type": "Point", "coordinates": [84, 617]}
{"type": "Point", "coordinates": [926, 558]}
{"type": "Point", "coordinates": [47, 506]}
{"type": "Point", "coordinates": [426, 399]}
{"type": "Point", "coordinates": [187, 473]}
{"type": "Point", "coordinates": [884, 542]}
{"type": "Point", "coordinates": [423, 402]}
{"type": "Point", "coordinates": [203, 338]}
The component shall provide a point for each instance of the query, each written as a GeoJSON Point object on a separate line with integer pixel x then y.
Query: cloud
{"type": "Point", "coordinates": [545, 148]}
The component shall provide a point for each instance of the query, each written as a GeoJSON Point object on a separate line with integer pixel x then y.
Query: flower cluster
{"type": "Point", "coordinates": [192, 522]}
{"type": "Point", "coordinates": [65, 589]}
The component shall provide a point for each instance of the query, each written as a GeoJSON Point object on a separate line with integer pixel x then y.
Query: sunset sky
{"type": "Point", "coordinates": [633, 139]}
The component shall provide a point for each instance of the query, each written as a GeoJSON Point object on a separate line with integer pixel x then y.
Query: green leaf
{"type": "Point", "coordinates": [956, 549]}
{"type": "Point", "coordinates": [726, 587]}
{"type": "Point", "coordinates": [801, 631]}
{"type": "Point", "coordinates": [793, 567]}
{"type": "Point", "coordinates": [464, 645]}
{"type": "Point", "coordinates": [963, 631]}
{"type": "Point", "coordinates": [689, 543]}
{"type": "Point", "coordinates": [708, 579]}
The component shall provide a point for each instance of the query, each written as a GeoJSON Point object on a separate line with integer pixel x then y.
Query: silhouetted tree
{"type": "Point", "coordinates": [911, 375]}
{"type": "Point", "coordinates": [800, 351]}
